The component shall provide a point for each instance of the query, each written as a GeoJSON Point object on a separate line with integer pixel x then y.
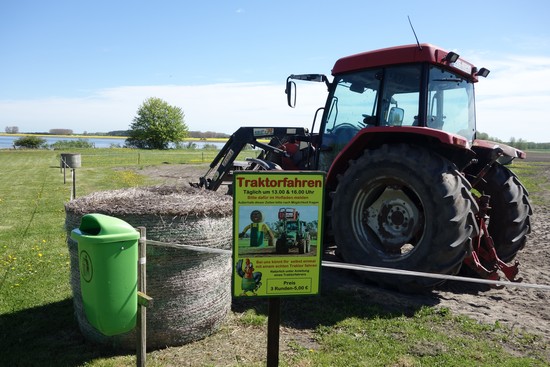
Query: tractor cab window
{"type": "Point", "coordinates": [400, 99]}
{"type": "Point", "coordinates": [451, 103]}
{"type": "Point", "coordinates": [353, 106]}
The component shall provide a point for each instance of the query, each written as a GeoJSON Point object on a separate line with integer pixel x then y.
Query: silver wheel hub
{"type": "Point", "coordinates": [394, 218]}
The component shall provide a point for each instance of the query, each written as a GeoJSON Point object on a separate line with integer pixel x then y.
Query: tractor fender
{"type": "Point", "coordinates": [486, 150]}
{"type": "Point", "coordinates": [453, 147]}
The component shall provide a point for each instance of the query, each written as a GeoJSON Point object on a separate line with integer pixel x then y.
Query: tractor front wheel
{"type": "Point", "coordinates": [281, 247]}
{"type": "Point", "coordinates": [404, 207]}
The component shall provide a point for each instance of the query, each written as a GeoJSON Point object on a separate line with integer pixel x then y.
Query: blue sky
{"type": "Point", "coordinates": [88, 65]}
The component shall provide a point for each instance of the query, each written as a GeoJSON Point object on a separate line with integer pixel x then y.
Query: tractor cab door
{"type": "Point", "coordinates": [451, 106]}
{"type": "Point", "coordinates": [401, 96]}
{"type": "Point", "coordinates": [376, 97]}
{"type": "Point", "coordinates": [351, 107]}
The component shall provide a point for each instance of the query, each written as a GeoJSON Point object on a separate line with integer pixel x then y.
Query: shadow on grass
{"type": "Point", "coordinates": [49, 335]}
{"type": "Point", "coordinates": [342, 295]}
{"type": "Point", "coordinates": [46, 336]}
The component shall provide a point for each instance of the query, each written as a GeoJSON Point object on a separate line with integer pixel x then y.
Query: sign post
{"type": "Point", "coordinates": [277, 239]}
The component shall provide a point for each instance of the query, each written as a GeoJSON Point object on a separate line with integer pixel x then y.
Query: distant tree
{"type": "Point", "coordinates": [188, 145]}
{"type": "Point", "coordinates": [119, 133]}
{"type": "Point", "coordinates": [209, 146]}
{"type": "Point", "coordinates": [30, 142]}
{"type": "Point", "coordinates": [156, 125]}
{"type": "Point", "coordinates": [12, 129]}
{"type": "Point", "coordinates": [485, 136]}
{"type": "Point", "coordinates": [61, 132]}
{"type": "Point", "coordinates": [518, 143]}
{"type": "Point", "coordinates": [66, 144]}
{"type": "Point", "coordinates": [206, 135]}
{"type": "Point", "coordinates": [482, 136]}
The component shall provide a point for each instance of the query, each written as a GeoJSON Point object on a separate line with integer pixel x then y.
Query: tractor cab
{"type": "Point", "coordinates": [394, 97]}
{"type": "Point", "coordinates": [401, 90]}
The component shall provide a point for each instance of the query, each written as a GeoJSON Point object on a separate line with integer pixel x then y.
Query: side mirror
{"type": "Point", "coordinates": [290, 91]}
{"type": "Point", "coordinates": [395, 117]}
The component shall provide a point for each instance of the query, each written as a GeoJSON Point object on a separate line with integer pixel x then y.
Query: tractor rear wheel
{"type": "Point", "coordinates": [510, 212]}
{"type": "Point", "coordinates": [404, 207]}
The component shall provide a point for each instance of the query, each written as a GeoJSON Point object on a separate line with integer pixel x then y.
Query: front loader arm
{"type": "Point", "coordinates": [223, 163]}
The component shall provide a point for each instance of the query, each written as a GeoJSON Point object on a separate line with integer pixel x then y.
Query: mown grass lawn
{"type": "Point", "coordinates": [37, 326]}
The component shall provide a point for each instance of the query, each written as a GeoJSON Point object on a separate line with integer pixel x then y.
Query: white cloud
{"type": "Point", "coordinates": [214, 107]}
{"type": "Point", "coordinates": [514, 101]}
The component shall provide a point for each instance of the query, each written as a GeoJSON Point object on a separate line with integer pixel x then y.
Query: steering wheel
{"type": "Point", "coordinates": [344, 126]}
{"type": "Point", "coordinates": [344, 132]}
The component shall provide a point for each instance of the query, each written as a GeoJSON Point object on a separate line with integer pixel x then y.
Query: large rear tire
{"type": "Point", "coordinates": [510, 213]}
{"type": "Point", "coordinates": [404, 207]}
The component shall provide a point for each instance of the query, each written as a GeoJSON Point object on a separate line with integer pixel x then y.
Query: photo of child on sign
{"type": "Point", "coordinates": [276, 230]}
{"type": "Point", "coordinates": [258, 230]}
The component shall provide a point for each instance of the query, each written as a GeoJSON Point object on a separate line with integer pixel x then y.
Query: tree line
{"type": "Point", "coordinates": [158, 125]}
{"type": "Point", "coordinates": [521, 144]}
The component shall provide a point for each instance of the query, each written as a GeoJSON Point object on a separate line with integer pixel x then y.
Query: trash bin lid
{"type": "Point", "coordinates": [102, 228]}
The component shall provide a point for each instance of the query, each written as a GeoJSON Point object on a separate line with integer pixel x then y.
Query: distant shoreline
{"type": "Point", "coordinates": [79, 136]}
{"type": "Point", "coordinates": [67, 136]}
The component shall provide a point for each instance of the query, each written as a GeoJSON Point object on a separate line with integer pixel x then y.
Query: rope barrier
{"type": "Point", "coordinates": [374, 269]}
{"type": "Point", "coordinates": [189, 247]}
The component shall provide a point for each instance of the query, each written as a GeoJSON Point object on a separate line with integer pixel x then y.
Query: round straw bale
{"type": "Point", "coordinates": [191, 290]}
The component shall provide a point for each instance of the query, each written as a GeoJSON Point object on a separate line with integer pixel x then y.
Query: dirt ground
{"type": "Point", "coordinates": [518, 308]}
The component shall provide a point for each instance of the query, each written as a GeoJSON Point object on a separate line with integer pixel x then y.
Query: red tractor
{"type": "Point", "coordinates": [408, 184]}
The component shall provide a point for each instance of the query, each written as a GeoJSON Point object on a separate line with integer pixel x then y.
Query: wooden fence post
{"type": "Point", "coordinates": [142, 299]}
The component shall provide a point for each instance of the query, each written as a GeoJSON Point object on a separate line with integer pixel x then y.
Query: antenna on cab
{"type": "Point", "coordinates": [418, 43]}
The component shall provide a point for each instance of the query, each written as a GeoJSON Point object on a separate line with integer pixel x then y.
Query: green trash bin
{"type": "Point", "coordinates": [107, 254]}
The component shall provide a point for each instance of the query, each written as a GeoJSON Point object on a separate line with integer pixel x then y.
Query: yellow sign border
{"type": "Point", "coordinates": [279, 251]}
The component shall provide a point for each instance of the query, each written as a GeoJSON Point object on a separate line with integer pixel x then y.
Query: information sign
{"type": "Point", "coordinates": [277, 233]}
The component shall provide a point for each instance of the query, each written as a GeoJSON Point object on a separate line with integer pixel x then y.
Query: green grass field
{"type": "Point", "coordinates": [37, 325]}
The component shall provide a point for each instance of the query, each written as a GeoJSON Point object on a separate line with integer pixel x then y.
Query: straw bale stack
{"type": "Point", "coordinates": [191, 290]}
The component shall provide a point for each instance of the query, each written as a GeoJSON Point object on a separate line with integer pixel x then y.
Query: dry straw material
{"type": "Point", "coordinates": [191, 290]}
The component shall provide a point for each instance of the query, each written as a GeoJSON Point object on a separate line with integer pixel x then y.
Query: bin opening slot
{"type": "Point", "coordinates": [90, 225]}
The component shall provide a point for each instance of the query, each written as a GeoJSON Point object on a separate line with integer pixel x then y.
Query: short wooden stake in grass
{"type": "Point", "coordinates": [273, 325]}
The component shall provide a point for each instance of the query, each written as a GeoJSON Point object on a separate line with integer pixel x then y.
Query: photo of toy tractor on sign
{"type": "Point", "coordinates": [294, 232]}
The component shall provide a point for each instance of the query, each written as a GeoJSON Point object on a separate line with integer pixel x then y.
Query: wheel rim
{"type": "Point", "coordinates": [388, 215]}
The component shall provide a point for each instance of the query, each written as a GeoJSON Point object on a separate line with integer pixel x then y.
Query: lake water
{"type": "Point", "coordinates": [6, 142]}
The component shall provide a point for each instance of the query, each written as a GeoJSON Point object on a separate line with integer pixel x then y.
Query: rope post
{"type": "Point", "coordinates": [73, 189]}
{"type": "Point", "coordinates": [143, 300]}
{"type": "Point", "coordinates": [64, 168]}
